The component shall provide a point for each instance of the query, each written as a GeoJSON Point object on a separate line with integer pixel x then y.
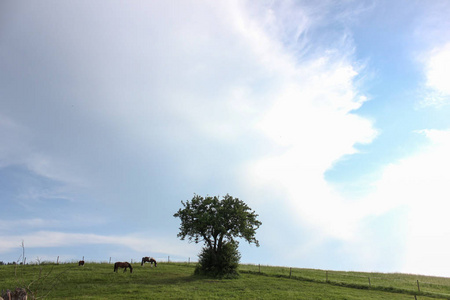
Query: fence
{"type": "Point", "coordinates": [39, 261]}
{"type": "Point", "coordinates": [391, 282]}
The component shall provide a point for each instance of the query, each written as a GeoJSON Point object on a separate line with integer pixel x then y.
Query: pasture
{"type": "Point", "coordinates": [176, 281]}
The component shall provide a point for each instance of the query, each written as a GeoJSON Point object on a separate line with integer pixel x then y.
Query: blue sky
{"type": "Point", "coordinates": [328, 118]}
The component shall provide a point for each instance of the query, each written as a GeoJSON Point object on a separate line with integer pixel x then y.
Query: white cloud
{"type": "Point", "coordinates": [438, 69]}
{"type": "Point", "coordinates": [138, 243]}
{"type": "Point", "coordinates": [437, 72]}
{"type": "Point", "coordinates": [27, 223]}
{"type": "Point", "coordinates": [141, 97]}
{"type": "Point", "coordinates": [312, 122]}
{"type": "Point", "coordinates": [402, 226]}
{"type": "Point", "coordinates": [418, 185]}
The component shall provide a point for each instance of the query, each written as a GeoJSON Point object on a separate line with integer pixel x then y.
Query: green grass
{"type": "Point", "coordinates": [176, 281]}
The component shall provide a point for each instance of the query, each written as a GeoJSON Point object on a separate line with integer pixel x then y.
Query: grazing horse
{"type": "Point", "coordinates": [151, 260]}
{"type": "Point", "coordinates": [81, 263]}
{"type": "Point", "coordinates": [123, 265]}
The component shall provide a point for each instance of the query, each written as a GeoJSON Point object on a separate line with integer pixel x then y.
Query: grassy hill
{"type": "Point", "coordinates": [176, 281]}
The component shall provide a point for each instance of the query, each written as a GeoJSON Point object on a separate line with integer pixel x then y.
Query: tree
{"type": "Point", "coordinates": [217, 223]}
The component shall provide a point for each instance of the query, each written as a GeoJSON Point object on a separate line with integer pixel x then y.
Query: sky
{"type": "Point", "coordinates": [328, 118]}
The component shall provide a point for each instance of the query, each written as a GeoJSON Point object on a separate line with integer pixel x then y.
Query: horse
{"type": "Point", "coordinates": [81, 263]}
{"type": "Point", "coordinates": [151, 260]}
{"type": "Point", "coordinates": [124, 265]}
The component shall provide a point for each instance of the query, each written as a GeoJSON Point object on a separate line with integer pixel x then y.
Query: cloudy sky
{"type": "Point", "coordinates": [329, 118]}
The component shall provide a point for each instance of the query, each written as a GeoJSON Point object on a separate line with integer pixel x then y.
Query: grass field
{"type": "Point", "coordinates": [176, 281]}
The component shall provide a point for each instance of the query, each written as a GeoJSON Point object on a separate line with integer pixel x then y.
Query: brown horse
{"type": "Point", "coordinates": [151, 260]}
{"type": "Point", "coordinates": [123, 265]}
{"type": "Point", "coordinates": [81, 263]}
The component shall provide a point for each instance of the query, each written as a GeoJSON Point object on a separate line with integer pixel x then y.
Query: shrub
{"type": "Point", "coordinates": [223, 264]}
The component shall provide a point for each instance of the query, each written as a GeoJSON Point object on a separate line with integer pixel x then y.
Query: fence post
{"type": "Point", "coordinates": [168, 259]}
{"type": "Point", "coordinates": [369, 281]}
{"type": "Point", "coordinates": [189, 260]}
{"type": "Point", "coordinates": [110, 259]}
{"type": "Point", "coordinates": [418, 287]}
{"type": "Point", "coordinates": [57, 260]}
{"type": "Point", "coordinates": [259, 268]}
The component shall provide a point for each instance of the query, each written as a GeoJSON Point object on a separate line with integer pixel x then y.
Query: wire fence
{"type": "Point", "coordinates": [393, 282]}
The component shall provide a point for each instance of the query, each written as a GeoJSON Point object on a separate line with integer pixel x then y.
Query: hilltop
{"type": "Point", "coordinates": [176, 281]}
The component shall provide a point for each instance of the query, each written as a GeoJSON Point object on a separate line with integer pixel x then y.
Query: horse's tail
{"type": "Point", "coordinates": [131, 268]}
{"type": "Point", "coordinates": [115, 267]}
{"type": "Point", "coordinates": [142, 262]}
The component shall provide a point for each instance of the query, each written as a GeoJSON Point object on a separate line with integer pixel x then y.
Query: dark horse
{"type": "Point", "coordinates": [81, 263]}
{"type": "Point", "coordinates": [151, 260]}
{"type": "Point", "coordinates": [123, 265]}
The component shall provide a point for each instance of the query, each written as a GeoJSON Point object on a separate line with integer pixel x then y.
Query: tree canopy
{"type": "Point", "coordinates": [216, 221]}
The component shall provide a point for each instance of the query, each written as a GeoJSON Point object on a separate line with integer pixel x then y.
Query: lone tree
{"type": "Point", "coordinates": [217, 223]}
